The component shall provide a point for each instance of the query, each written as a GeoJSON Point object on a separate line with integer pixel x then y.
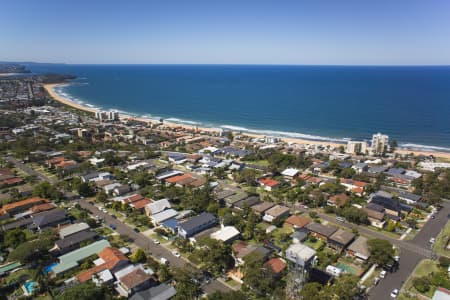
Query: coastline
{"type": "Point", "coordinates": [50, 89]}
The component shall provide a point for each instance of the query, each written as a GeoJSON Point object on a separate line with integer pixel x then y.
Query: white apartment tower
{"type": "Point", "coordinates": [380, 142]}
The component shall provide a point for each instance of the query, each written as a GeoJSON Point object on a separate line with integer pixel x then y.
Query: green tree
{"type": "Point", "coordinates": [346, 288]}
{"type": "Point", "coordinates": [85, 190]}
{"type": "Point", "coordinates": [14, 237]}
{"type": "Point", "coordinates": [234, 295]}
{"type": "Point", "coordinates": [186, 288]}
{"type": "Point", "coordinates": [311, 291]}
{"type": "Point", "coordinates": [101, 197]}
{"type": "Point", "coordinates": [84, 291]}
{"type": "Point", "coordinates": [138, 256]}
{"type": "Point", "coordinates": [381, 251]}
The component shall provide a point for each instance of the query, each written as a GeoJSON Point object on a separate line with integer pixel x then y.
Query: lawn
{"type": "Point", "coordinates": [425, 267]}
{"type": "Point", "coordinates": [442, 240]}
{"type": "Point", "coordinates": [318, 244]}
{"type": "Point", "coordinates": [281, 237]}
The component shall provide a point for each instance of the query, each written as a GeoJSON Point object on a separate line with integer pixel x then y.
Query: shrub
{"type": "Point", "coordinates": [422, 284]}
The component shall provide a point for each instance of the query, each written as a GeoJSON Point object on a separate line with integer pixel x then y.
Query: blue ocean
{"type": "Point", "coordinates": [410, 104]}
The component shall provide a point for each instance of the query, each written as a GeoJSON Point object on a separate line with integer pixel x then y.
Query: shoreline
{"type": "Point", "coordinates": [50, 89]}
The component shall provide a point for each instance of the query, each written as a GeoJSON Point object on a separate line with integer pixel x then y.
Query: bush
{"type": "Point", "coordinates": [444, 261]}
{"type": "Point", "coordinates": [422, 284]}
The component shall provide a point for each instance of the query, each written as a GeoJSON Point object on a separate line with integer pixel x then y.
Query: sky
{"type": "Point", "coordinates": [307, 32]}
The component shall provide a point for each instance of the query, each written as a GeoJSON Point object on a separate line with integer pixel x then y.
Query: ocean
{"type": "Point", "coordinates": [332, 103]}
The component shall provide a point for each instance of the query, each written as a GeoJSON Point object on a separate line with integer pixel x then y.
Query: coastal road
{"type": "Point", "coordinates": [144, 242]}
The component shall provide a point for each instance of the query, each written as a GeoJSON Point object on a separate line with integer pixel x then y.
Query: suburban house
{"type": "Point", "coordinates": [354, 186]}
{"type": "Point", "coordinates": [340, 239]}
{"type": "Point", "coordinates": [50, 218]}
{"type": "Point", "coordinates": [163, 216]}
{"type": "Point", "coordinates": [300, 254]}
{"type": "Point", "coordinates": [160, 292]}
{"type": "Point", "coordinates": [322, 232]}
{"type": "Point", "coordinates": [20, 206]}
{"type": "Point", "coordinates": [157, 207]}
{"type": "Point", "coordinates": [247, 202]}
{"type": "Point", "coordinates": [392, 206]}
{"type": "Point", "coordinates": [121, 189]}
{"type": "Point", "coordinates": [72, 229]}
{"type": "Point", "coordinates": [110, 259]}
{"type": "Point", "coordinates": [359, 249]}
{"type": "Point", "coordinates": [338, 200]}
{"type": "Point", "coordinates": [276, 265]}
{"type": "Point", "coordinates": [375, 214]}
{"type": "Point", "coordinates": [269, 184]}
{"type": "Point", "coordinates": [261, 208]}
{"type": "Point", "coordinates": [73, 241]}
{"type": "Point", "coordinates": [297, 222]}
{"type": "Point", "coordinates": [276, 213]}
{"type": "Point", "coordinates": [360, 167]}
{"type": "Point", "coordinates": [196, 224]}
{"type": "Point", "coordinates": [290, 173]}
{"type": "Point", "coordinates": [96, 176]}
{"type": "Point", "coordinates": [71, 260]}
{"type": "Point", "coordinates": [226, 234]}
{"type": "Point", "coordinates": [241, 250]}
{"type": "Point", "coordinates": [135, 281]}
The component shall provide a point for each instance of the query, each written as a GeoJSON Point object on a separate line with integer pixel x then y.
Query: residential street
{"type": "Point", "coordinates": [28, 170]}
{"type": "Point", "coordinates": [157, 251]}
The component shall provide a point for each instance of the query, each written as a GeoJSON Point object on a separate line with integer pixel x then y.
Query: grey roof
{"type": "Point", "coordinates": [342, 237]}
{"type": "Point", "coordinates": [377, 169]}
{"type": "Point", "coordinates": [235, 198]}
{"type": "Point", "coordinates": [75, 239]}
{"type": "Point", "coordinates": [49, 217]}
{"type": "Point", "coordinates": [409, 196]}
{"type": "Point", "coordinates": [17, 224]}
{"type": "Point", "coordinates": [197, 221]}
{"type": "Point", "coordinates": [360, 246]}
{"type": "Point", "coordinates": [250, 201]}
{"type": "Point", "coordinates": [225, 193]}
{"type": "Point", "coordinates": [325, 230]}
{"type": "Point", "coordinates": [71, 229]}
{"type": "Point", "coordinates": [160, 292]}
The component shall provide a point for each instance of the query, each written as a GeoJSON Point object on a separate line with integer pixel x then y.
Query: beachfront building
{"type": "Point", "coordinates": [107, 115]}
{"type": "Point", "coordinates": [355, 147]}
{"type": "Point", "coordinates": [380, 143]}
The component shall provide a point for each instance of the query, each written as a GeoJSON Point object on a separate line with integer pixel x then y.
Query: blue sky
{"type": "Point", "coordinates": [342, 32]}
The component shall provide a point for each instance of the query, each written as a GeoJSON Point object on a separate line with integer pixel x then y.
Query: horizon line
{"type": "Point", "coordinates": [233, 64]}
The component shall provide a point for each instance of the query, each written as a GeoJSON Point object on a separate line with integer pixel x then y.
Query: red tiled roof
{"type": "Point", "coordinates": [134, 198]}
{"type": "Point", "coordinates": [111, 257]}
{"type": "Point", "coordinates": [42, 207]}
{"type": "Point", "coordinates": [10, 206]}
{"type": "Point", "coordinates": [297, 221]}
{"type": "Point", "coordinates": [178, 178]}
{"type": "Point", "coordinates": [339, 199]}
{"type": "Point", "coordinates": [269, 182]}
{"type": "Point", "coordinates": [276, 264]}
{"type": "Point", "coordinates": [55, 160]}
{"type": "Point", "coordinates": [141, 203]}
{"type": "Point", "coordinates": [134, 278]}
{"type": "Point", "coordinates": [11, 181]}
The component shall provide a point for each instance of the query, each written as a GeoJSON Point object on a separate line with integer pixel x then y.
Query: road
{"type": "Point", "coordinates": [28, 170]}
{"type": "Point", "coordinates": [144, 242]}
{"type": "Point", "coordinates": [408, 259]}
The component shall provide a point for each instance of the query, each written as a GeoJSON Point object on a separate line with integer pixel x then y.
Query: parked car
{"type": "Point", "coordinates": [176, 254]}
{"type": "Point", "coordinates": [394, 293]}
{"type": "Point", "coordinates": [156, 241]}
{"type": "Point", "coordinates": [112, 226]}
{"type": "Point", "coordinates": [340, 219]}
{"type": "Point", "coordinates": [383, 274]}
{"type": "Point", "coordinates": [432, 240]}
{"type": "Point", "coordinates": [136, 229]}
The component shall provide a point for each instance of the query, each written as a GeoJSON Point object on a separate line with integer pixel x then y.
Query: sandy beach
{"type": "Point", "coordinates": [50, 89]}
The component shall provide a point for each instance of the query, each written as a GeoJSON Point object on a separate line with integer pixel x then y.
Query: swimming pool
{"type": "Point", "coordinates": [29, 287]}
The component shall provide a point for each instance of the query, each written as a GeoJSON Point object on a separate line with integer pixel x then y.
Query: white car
{"type": "Point", "coordinates": [394, 293]}
{"type": "Point", "coordinates": [156, 241]}
{"type": "Point", "coordinates": [397, 258]}
{"type": "Point", "coordinates": [176, 254]}
{"type": "Point", "coordinates": [383, 274]}
{"type": "Point", "coordinates": [432, 240]}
